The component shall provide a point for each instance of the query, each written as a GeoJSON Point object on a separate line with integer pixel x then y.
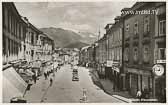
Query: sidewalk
{"type": "Point", "coordinates": [122, 95]}
{"type": "Point", "coordinates": [34, 95]}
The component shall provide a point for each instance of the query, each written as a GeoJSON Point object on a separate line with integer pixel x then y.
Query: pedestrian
{"type": "Point", "coordinates": [51, 81]}
{"type": "Point", "coordinates": [45, 75]}
{"type": "Point", "coordinates": [29, 84]}
{"type": "Point", "coordinates": [139, 95]}
{"type": "Point", "coordinates": [53, 74]}
{"type": "Point", "coordinates": [34, 77]}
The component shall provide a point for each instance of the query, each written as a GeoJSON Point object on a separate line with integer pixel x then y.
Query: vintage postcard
{"type": "Point", "coordinates": [84, 52]}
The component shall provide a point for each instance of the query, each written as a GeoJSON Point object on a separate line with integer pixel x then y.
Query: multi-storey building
{"type": "Point", "coordinates": [139, 44]}
{"type": "Point", "coordinates": [31, 41]}
{"type": "Point", "coordinates": [39, 47]}
{"type": "Point", "coordinates": [21, 41]}
{"type": "Point", "coordinates": [83, 56]}
{"type": "Point", "coordinates": [14, 32]}
{"type": "Point", "coordinates": [48, 48]}
{"type": "Point", "coordinates": [102, 55]}
{"type": "Point", "coordinates": [114, 36]}
{"type": "Point", "coordinates": [160, 50]}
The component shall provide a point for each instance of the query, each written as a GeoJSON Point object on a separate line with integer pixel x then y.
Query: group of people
{"type": "Point", "coordinates": [49, 71]}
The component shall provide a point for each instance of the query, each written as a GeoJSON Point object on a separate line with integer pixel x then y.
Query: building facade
{"type": "Point", "coordinates": [14, 33]}
{"type": "Point", "coordinates": [21, 39]}
{"type": "Point", "coordinates": [160, 50]}
{"type": "Point", "coordinates": [139, 45]}
{"type": "Point", "coordinates": [114, 34]}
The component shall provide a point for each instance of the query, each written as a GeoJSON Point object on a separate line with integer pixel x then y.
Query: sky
{"type": "Point", "coordinates": [76, 16]}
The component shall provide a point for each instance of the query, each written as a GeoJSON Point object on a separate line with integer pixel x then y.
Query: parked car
{"type": "Point", "coordinates": [75, 78]}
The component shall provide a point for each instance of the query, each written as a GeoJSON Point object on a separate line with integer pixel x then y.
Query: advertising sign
{"type": "Point", "coordinates": [158, 70]}
{"type": "Point", "coordinates": [109, 63]}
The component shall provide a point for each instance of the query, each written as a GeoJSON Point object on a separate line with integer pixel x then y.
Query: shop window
{"type": "Point", "coordinates": [162, 53]}
{"type": "Point", "coordinates": [162, 27]}
{"type": "Point", "coordinates": [146, 54]}
{"type": "Point", "coordinates": [135, 54]}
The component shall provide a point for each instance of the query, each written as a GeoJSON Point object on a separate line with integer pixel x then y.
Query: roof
{"type": "Point", "coordinates": [14, 10]}
{"type": "Point", "coordinates": [86, 47]}
{"type": "Point", "coordinates": [107, 26]}
{"type": "Point", "coordinates": [136, 6]}
{"type": "Point", "coordinates": [36, 29]}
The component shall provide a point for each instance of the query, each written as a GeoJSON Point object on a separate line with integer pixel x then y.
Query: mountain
{"type": "Point", "coordinates": [67, 38]}
{"type": "Point", "coordinates": [76, 45]}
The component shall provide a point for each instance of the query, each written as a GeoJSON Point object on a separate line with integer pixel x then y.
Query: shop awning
{"type": "Point", "coordinates": [9, 90]}
{"type": "Point", "coordinates": [13, 84]}
{"type": "Point", "coordinates": [116, 69]}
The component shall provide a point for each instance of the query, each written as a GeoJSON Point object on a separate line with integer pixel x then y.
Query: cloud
{"type": "Point", "coordinates": [82, 16]}
{"type": "Point", "coordinates": [79, 27]}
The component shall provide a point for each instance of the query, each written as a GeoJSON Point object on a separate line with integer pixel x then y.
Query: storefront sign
{"type": "Point", "coordinates": [161, 61]}
{"type": "Point", "coordinates": [116, 63]}
{"type": "Point", "coordinates": [158, 70]}
{"type": "Point", "coordinates": [109, 63]}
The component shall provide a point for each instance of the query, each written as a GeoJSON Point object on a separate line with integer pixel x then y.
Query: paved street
{"type": "Point", "coordinates": [64, 90]}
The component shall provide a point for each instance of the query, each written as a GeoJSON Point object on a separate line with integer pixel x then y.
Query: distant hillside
{"type": "Point", "coordinates": [63, 38]}
{"type": "Point", "coordinates": [76, 45]}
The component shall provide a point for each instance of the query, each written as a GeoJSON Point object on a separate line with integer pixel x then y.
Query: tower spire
{"type": "Point", "coordinates": [99, 33]}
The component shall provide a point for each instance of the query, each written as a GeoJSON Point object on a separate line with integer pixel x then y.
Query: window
{"type": "Point", "coordinates": [146, 24]}
{"type": "Point", "coordinates": [136, 28]}
{"type": "Point", "coordinates": [9, 51]}
{"type": "Point", "coordinates": [3, 16]}
{"type": "Point", "coordinates": [126, 55]}
{"type": "Point", "coordinates": [6, 18]}
{"type": "Point", "coordinates": [121, 54]}
{"type": "Point", "coordinates": [4, 45]}
{"type": "Point", "coordinates": [127, 27]}
{"type": "Point", "coordinates": [120, 34]}
{"type": "Point", "coordinates": [118, 53]}
{"type": "Point", "coordinates": [162, 53]}
{"type": "Point", "coordinates": [9, 22]}
{"type": "Point", "coordinates": [146, 53]}
{"type": "Point", "coordinates": [127, 34]}
{"type": "Point", "coordinates": [162, 27]}
{"type": "Point", "coordinates": [135, 54]}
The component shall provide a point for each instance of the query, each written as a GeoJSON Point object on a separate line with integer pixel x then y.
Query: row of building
{"type": "Point", "coordinates": [21, 39]}
{"type": "Point", "coordinates": [24, 49]}
{"type": "Point", "coordinates": [130, 48]}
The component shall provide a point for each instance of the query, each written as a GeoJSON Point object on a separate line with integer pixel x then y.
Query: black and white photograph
{"type": "Point", "coordinates": [83, 51]}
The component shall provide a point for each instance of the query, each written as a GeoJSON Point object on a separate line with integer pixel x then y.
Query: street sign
{"type": "Point", "coordinates": [109, 63]}
{"type": "Point", "coordinates": [161, 61]}
{"type": "Point", "coordinates": [158, 70]}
